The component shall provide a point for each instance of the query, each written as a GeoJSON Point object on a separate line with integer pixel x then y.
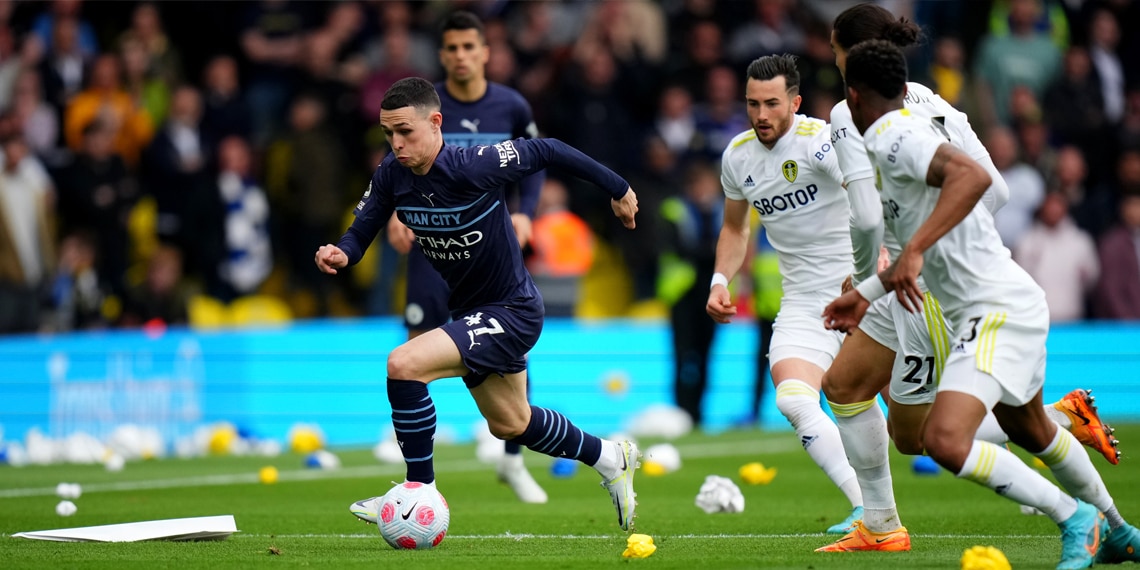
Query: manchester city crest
{"type": "Point", "coordinates": [790, 170]}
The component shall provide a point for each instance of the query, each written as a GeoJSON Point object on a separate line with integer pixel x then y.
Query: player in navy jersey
{"type": "Point", "coordinates": [475, 112]}
{"type": "Point", "coordinates": [453, 199]}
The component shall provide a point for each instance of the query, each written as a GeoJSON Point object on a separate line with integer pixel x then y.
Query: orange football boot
{"type": "Point", "coordinates": [1087, 427]}
{"type": "Point", "coordinates": [862, 539]}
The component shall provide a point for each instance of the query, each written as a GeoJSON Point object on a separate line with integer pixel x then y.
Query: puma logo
{"type": "Point", "coordinates": [428, 198]}
{"type": "Point", "coordinates": [470, 125]}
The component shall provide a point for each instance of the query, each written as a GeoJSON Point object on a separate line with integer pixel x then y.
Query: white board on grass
{"type": "Point", "coordinates": [194, 528]}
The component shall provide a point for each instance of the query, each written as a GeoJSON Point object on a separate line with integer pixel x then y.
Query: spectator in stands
{"type": "Point", "coordinates": [1118, 292]}
{"type": "Point", "coordinates": [77, 294]}
{"type": "Point", "coordinates": [676, 122]}
{"type": "Point", "coordinates": [149, 91]}
{"type": "Point", "coordinates": [163, 61]}
{"type": "Point", "coordinates": [420, 54]}
{"type": "Point", "coordinates": [658, 175]}
{"type": "Point", "coordinates": [563, 250]}
{"type": "Point", "coordinates": [272, 41]}
{"type": "Point", "coordinates": [690, 227]}
{"type": "Point", "coordinates": [163, 297]}
{"type": "Point", "coordinates": [45, 27]}
{"type": "Point", "coordinates": [1036, 150]}
{"type": "Point", "coordinates": [63, 67]}
{"type": "Point", "coordinates": [26, 241]}
{"type": "Point", "coordinates": [721, 116]}
{"type": "Point", "coordinates": [1026, 57]}
{"type": "Point", "coordinates": [1091, 205]}
{"type": "Point", "coordinates": [771, 30]}
{"type": "Point", "coordinates": [106, 100]}
{"type": "Point", "coordinates": [947, 71]}
{"type": "Point", "coordinates": [37, 120]}
{"type": "Point", "coordinates": [1062, 259]}
{"type": "Point", "coordinates": [95, 196]}
{"type": "Point", "coordinates": [1104, 40]}
{"type": "Point", "coordinates": [1075, 111]}
{"type": "Point", "coordinates": [1026, 186]}
{"type": "Point", "coordinates": [704, 49]}
{"type": "Point", "coordinates": [307, 190]}
{"type": "Point", "coordinates": [248, 257]}
{"type": "Point", "coordinates": [176, 171]}
{"type": "Point", "coordinates": [224, 111]}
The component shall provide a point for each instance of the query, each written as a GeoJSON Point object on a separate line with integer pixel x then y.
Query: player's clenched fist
{"type": "Point", "coordinates": [329, 258]}
{"type": "Point", "coordinates": [720, 306]}
{"type": "Point", "coordinates": [625, 208]}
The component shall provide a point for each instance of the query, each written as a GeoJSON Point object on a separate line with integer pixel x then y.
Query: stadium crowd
{"type": "Point", "coordinates": [153, 153]}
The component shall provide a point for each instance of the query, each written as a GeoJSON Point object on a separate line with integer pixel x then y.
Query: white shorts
{"type": "Point", "coordinates": [1005, 347]}
{"type": "Point", "coordinates": [798, 331]}
{"type": "Point", "coordinates": [924, 344]}
{"type": "Point", "coordinates": [879, 324]}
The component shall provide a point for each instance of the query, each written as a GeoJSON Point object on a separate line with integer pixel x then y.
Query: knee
{"type": "Point", "coordinates": [507, 428]}
{"type": "Point", "coordinates": [841, 389]}
{"type": "Point", "coordinates": [946, 446]}
{"type": "Point", "coordinates": [910, 444]}
{"type": "Point", "coordinates": [401, 364]}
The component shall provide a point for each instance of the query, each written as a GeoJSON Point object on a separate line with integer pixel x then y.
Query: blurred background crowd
{"type": "Point", "coordinates": [175, 162]}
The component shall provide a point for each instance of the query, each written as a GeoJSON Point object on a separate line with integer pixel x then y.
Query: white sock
{"type": "Point", "coordinates": [999, 469]}
{"type": "Point", "coordinates": [609, 462]}
{"type": "Point", "coordinates": [1073, 469]}
{"type": "Point", "coordinates": [991, 431]}
{"type": "Point", "coordinates": [1058, 416]}
{"type": "Point", "coordinates": [799, 402]}
{"type": "Point", "coordinates": [863, 429]}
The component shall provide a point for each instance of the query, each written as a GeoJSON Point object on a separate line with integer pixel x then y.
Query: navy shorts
{"type": "Point", "coordinates": [494, 339]}
{"type": "Point", "coordinates": [426, 306]}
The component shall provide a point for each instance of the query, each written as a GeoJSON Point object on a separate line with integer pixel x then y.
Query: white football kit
{"type": "Point", "coordinates": [996, 312]}
{"type": "Point", "coordinates": [920, 341]}
{"type": "Point", "coordinates": [796, 186]}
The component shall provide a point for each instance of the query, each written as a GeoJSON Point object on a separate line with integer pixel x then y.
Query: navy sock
{"type": "Point", "coordinates": [413, 417]}
{"type": "Point", "coordinates": [510, 447]}
{"type": "Point", "coordinates": [549, 432]}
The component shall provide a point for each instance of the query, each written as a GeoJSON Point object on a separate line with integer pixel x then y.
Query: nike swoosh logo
{"type": "Point", "coordinates": [624, 465]}
{"type": "Point", "coordinates": [409, 511]}
{"type": "Point", "coordinates": [881, 540]}
{"type": "Point", "coordinates": [1082, 417]}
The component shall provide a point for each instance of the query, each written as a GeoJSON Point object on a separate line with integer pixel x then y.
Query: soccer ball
{"type": "Point", "coordinates": [413, 516]}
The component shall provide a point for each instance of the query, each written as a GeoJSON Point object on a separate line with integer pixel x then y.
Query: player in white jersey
{"type": "Point", "coordinates": [930, 192]}
{"type": "Point", "coordinates": [891, 345]}
{"type": "Point", "coordinates": [785, 169]}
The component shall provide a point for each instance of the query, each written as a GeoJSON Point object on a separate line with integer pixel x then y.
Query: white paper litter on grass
{"type": "Point", "coordinates": [194, 528]}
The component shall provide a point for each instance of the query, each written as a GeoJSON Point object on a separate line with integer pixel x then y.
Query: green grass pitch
{"type": "Point", "coordinates": [303, 521]}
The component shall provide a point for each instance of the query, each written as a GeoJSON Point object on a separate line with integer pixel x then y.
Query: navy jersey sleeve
{"type": "Point", "coordinates": [495, 166]}
{"type": "Point", "coordinates": [531, 186]}
{"type": "Point", "coordinates": [372, 213]}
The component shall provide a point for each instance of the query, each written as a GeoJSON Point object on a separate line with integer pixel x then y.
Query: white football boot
{"type": "Point", "coordinates": [620, 484]}
{"type": "Point", "coordinates": [513, 472]}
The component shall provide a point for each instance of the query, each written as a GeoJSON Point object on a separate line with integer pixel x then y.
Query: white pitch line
{"type": "Point", "coordinates": [365, 471]}
{"type": "Point", "coordinates": [525, 536]}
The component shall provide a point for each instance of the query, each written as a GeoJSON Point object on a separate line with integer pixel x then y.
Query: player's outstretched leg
{"type": "Point", "coordinates": [512, 471]}
{"type": "Point", "coordinates": [1077, 413]}
{"type": "Point", "coordinates": [799, 402]}
{"type": "Point", "coordinates": [413, 417]}
{"type": "Point", "coordinates": [550, 433]}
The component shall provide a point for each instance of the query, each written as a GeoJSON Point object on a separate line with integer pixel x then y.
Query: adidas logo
{"type": "Point", "coordinates": [748, 181]}
{"type": "Point", "coordinates": [960, 348]}
{"type": "Point", "coordinates": [807, 440]}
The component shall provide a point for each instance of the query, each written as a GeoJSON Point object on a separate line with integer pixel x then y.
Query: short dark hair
{"type": "Point", "coordinates": [868, 21]}
{"type": "Point", "coordinates": [411, 92]}
{"type": "Point", "coordinates": [878, 65]}
{"type": "Point", "coordinates": [461, 20]}
{"type": "Point", "coordinates": [772, 66]}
